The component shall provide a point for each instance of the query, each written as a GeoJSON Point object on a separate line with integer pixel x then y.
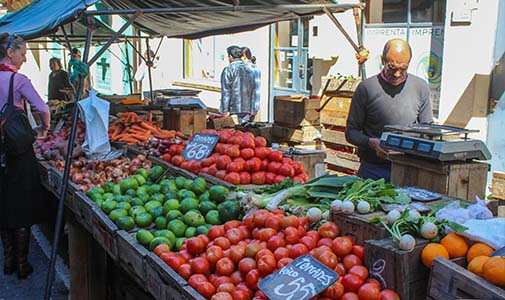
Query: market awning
{"type": "Point", "coordinates": [213, 17]}
{"type": "Point", "coordinates": [42, 17]}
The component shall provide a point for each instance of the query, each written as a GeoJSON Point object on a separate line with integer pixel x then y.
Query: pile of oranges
{"type": "Point", "coordinates": [452, 246]}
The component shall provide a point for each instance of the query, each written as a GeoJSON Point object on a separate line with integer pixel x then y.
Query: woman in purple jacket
{"type": "Point", "coordinates": [21, 201]}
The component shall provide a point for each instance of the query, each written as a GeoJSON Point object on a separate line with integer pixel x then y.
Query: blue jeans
{"type": "Point", "coordinates": [374, 171]}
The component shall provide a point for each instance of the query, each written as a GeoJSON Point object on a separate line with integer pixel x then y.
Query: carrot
{"type": "Point", "coordinates": [139, 137]}
{"type": "Point", "coordinates": [179, 134]}
{"type": "Point", "coordinates": [145, 125]}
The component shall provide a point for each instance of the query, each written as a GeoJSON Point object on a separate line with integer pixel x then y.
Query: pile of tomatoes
{"type": "Point", "coordinates": [240, 158]}
{"type": "Point", "coordinates": [228, 263]}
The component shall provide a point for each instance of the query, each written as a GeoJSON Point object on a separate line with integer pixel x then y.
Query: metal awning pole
{"type": "Point", "coordinates": [342, 29]}
{"type": "Point", "coordinates": [149, 63]}
{"type": "Point", "coordinates": [66, 173]}
{"type": "Point", "coordinates": [67, 41]}
{"type": "Point", "coordinates": [128, 67]}
{"type": "Point", "coordinates": [361, 39]}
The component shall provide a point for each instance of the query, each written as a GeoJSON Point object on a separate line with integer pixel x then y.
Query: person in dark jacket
{"type": "Point", "coordinates": [58, 80]}
{"type": "Point", "coordinates": [393, 97]}
{"type": "Point", "coordinates": [238, 86]}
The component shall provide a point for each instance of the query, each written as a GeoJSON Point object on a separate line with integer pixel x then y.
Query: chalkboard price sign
{"type": "Point", "coordinates": [299, 280]}
{"type": "Point", "coordinates": [200, 146]}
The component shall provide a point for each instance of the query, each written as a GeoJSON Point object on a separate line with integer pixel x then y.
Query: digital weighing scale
{"type": "Point", "coordinates": [178, 98]}
{"type": "Point", "coordinates": [438, 142]}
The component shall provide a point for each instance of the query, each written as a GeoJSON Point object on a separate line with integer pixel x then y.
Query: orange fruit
{"type": "Point", "coordinates": [493, 271]}
{"type": "Point", "coordinates": [431, 251]}
{"type": "Point", "coordinates": [478, 249]}
{"type": "Point", "coordinates": [475, 266]}
{"type": "Point", "coordinates": [455, 245]}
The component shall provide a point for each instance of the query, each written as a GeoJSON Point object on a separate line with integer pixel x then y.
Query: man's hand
{"type": "Point", "coordinates": [374, 143]}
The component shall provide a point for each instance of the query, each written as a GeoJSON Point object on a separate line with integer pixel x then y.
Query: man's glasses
{"type": "Point", "coordinates": [394, 68]}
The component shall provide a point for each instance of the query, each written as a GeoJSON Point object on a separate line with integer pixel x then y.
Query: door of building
{"type": "Point", "coordinates": [290, 66]}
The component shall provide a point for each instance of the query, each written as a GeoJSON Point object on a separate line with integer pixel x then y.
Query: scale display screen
{"type": "Point", "coordinates": [402, 143]}
{"type": "Point", "coordinates": [424, 147]}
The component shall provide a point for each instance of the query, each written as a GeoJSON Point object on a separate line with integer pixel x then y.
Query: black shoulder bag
{"type": "Point", "coordinates": [16, 134]}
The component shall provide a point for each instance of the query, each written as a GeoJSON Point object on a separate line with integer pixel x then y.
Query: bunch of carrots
{"type": "Point", "coordinates": [130, 128]}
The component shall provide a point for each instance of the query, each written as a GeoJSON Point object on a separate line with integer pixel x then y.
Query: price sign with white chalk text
{"type": "Point", "coordinates": [200, 146]}
{"type": "Point", "coordinates": [301, 279]}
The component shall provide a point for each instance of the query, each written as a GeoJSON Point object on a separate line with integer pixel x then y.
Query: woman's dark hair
{"type": "Point", "coordinates": [7, 41]}
{"type": "Point", "coordinates": [247, 52]}
{"type": "Point", "coordinates": [57, 60]}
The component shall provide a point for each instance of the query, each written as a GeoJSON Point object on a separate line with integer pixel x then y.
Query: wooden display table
{"type": "Point", "coordinates": [463, 180]}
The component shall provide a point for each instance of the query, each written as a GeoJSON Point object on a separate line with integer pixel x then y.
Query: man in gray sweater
{"type": "Point", "coordinates": [392, 97]}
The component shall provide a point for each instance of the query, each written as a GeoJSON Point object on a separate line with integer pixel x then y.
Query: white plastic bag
{"type": "Point", "coordinates": [95, 114]}
{"type": "Point", "coordinates": [454, 213]}
{"type": "Point", "coordinates": [491, 231]}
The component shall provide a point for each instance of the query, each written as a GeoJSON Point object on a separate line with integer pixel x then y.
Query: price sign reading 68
{"type": "Point", "coordinates": [299, 280]}
{"type": "Point", "coordinates": [200, 146]}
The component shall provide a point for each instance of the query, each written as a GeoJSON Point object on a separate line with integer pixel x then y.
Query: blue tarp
{"type": "Point", "coordinates": [42, 17]}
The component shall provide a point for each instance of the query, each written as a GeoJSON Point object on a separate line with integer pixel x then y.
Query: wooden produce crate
{"type": "Point", "coordinates": [449, 281]}
{"type": "Point", "coordinates": [311, 160]}
{"type": "Point", "coordinates": [164, 283]}
{"type": "Point", "coordinates": [498, 187]}
{"type": "Point", "coordinates": [401, 271]}
{"type": "Point", "coordinates": [463, 180]}
{"type": "Point", "coordinates": [335, 136]}
{"type": "Point", "coordinates": [342, 159]}
{"type": "Point", "coordinates": [335, 110]}
{"type": "Point", "coordinates": [132, 256]}
{"type": "Point", "coordinates": [104, 231]}
{"type": "Point", "coordinates": [296, 111]}
{"type": "Point", "coordinates": [54, 182]}
{"type": "Point", "coordinates": [83, 210]}
{"type": "Point", "coordinates": [301, 135]}
{"type": "Point", "coordinates": [186, 121]}
{"type": "Point", "coordinates": [339, 86]}
{"type": "Point", "coordinates": [222, 123]}
{"type": "Point", "coordinates": [357, 226]}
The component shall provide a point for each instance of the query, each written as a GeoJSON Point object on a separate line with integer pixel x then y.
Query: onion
{"type": "Point", "coordinates": [77, 178]}
{"type": "Point", "coordinates": [326, 215]}
{"type": "Point", "coordinates": [429, 230]}
{"type": "Point", "coordinates": [336, 205]}
{"type": "Point", "coordinates": [407, 242]}
{"type": "Point", "coordinates": [347, 207]}
{"type": "Point", "coordinates": [392, 216]}
{"type": "Point", "coordinates": [314, 214]}
{"type": "Point", "coordinates": [413, 215]}
{"type": "Point", "coordinates": [363, 207]}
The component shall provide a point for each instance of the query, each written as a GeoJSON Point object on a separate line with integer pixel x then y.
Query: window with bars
{"type": "Point", "coordinates": [405, 11]}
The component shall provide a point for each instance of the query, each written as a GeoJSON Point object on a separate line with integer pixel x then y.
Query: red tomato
{"type": "Point", "coordinates": [326, 242]}
{"type": "Point", "coordinates": [165, 255]}
{"type": "Point", "coordinates": [279, 178]}
{"type": "Point", "coordinates": [247, 143]}
{"type": "Point", "coordinates": [172, 150]}
{"type": "Point", "coordinates": [226, 287]}
{"type": "Point", "coordinates": [299, 179]}
{"type": "Point", "coordinates": [260, 141]}
{"type": "Point", "coordinates": [222, 296]}
{"type": "Point", "coordinates": [206, 289]}
{"type": "Point", "coordinates": [199, 265]}
{"type": "Point", "coordinates": [298, 166]}
{"type": "Point", "coordinates": [349, 296]}
{"type": "Point", "coordinates": [258, 178]}
{"type": "Point", "coordinates": [225, 266]}
{"type": "Point", "coordinates": [249, 222]}
{"type": "Point", "coordinates": [352, 283]}
{"type": "Point", "coordinates": [195, 245]}
{"type": "Point", "coordinates": [246, 264]}
{"type": "Point", "coordinates": [185, 271]}
{"type": "Point", "coordinates": [252, 279]}
{"type": "Point", "coordinates": [237, 253]}
{"type": "Point", "coordinates": [334, 291]}
{"type": "Point", "coordinates": [237, 277]}
{"type": "Point", "coordinates": [281, 252]}
{"type": "Point", "coordinates": [274, 166]}
{"type": "Point", "coordinates": [284, 261]}
{"type": "Point", "coordinates": [234, 235]}
{"type": "Point", "coordinates": [233, 178]}
{"type": "Point", "coordinates": [243, 287]}
{"type": "Point", "coordinates": [341, 246]}
{"type": "Point", "coordinates": [351, 260]}
{"type": "Point", "coordinates": [361, 271]}
{"type": "Point", "coordinates": [340, 269]}
{"type": "Point", "coordinates": [314, 235]}
{"type": "Point", "coordinates": [247, 153]}
{"type": "Point", "coordinates": [233, 167]}
{"type": "Point", "coordinates": [369, 291]}
{"type": "Point", "coordinates": [261, 152]}
{"type": "Point", "coordinates": [240, 295]}
{"type": "Point", "coordinates": [266, 264]}
{"type": "Point", "coordinates": [161, 248]}
{"type": "Point", "coordinates": [260, 217]}
{"type": "Point", "coordinates": [213, 254]}
{"type": "Point", "coordinates": [215, 232]}
{"type": "Point", "coordinates": [246, 233]}
{"type": "Point", "coordinates": [329, 259]}
{"type": "Point", "coordinates": [185, 165]}
{"type": "Point", "coordinates": [260, 294]}
{"type": "Point", "coordinates": [196, 279]}
{"type": "Point", "coordinates": [245, 178]}
{"type": "Point", "coordinates": [221, 279]}
{"type": "Point", "coordinates": [389, 295]}
{"type": "Point", "coordinates": [264, 234]}
{"type": "Point", "coordinates": [275, 241]}
{"type": "Point", "coordinates": [240, 161]}
{"type": "Point", "coordinates": [275, 155]}
{"type": "Point", "coordinates": [359, 251]}
{"type": "Point", "coordinates": [175, 262]}
{"type": "Point", "coordinates": [273, 222]}
{"type": "Point", "coordinates": [232, 151]}
{"type": "Point", "coordinates": [212, 170]}
{"type": "Point", "coordinates": [252, 249]}
{"type": "Point", "coordinates": [231, 224]}
{"type": "Point", "coordinates": [253, 164]}
{"type": "Point", "coordinates": [224, 136]}
{"type": "Point", "coordinates": [221, 174]}
{"type": "Point", "coordinates": [270, 177]}
{"type": "Point", "coordinates": [263, 252]}
{"type": "Point", "coordinates": [222, 242]}
{"type": "Point", "coordinates": [222, 161]}
{"type": "Point", "coordinates": [177, 160]}
{"type": "Point", "coordinates": [328, 230]}
{"type": "Point", "coordinates": [290, 221]}
{"type": "Point", "coordinates": [292, 235]}
{"type": "Point", "coordinates": [374, 281]}
{"type": "Point", "coordinates": [209, 161]}
{"type": "Point", "coordinates": [185, 254]}
{"type": "Point", "coordinates": [287, 170]}
{"type": "Point", "coordinates": [298, 250]}
{"type": "Point", "coordinates": [166, 157]}
{"type": "Point", "coordinates": [308, 242]}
